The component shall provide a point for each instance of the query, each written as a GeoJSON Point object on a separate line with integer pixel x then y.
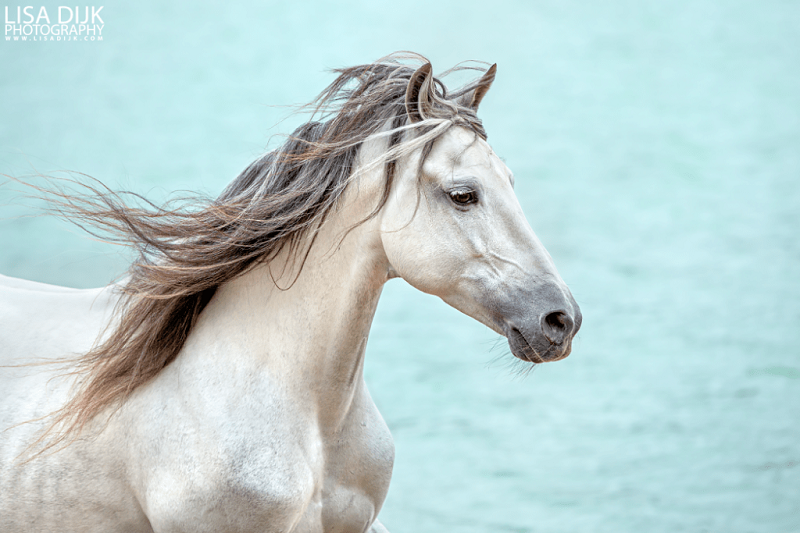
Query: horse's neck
{"type": "Point", "coordinates": [310, 332]}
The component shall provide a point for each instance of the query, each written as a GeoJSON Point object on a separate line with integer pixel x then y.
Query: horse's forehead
{"type": "Point", "coordinates": [463, 149]}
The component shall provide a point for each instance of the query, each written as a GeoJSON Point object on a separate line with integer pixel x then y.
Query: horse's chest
{"type": "Point", "coordinates": [358, 469]}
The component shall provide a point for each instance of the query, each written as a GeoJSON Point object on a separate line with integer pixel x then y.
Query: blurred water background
{"type": "Point", "coordinates": [656, 147]}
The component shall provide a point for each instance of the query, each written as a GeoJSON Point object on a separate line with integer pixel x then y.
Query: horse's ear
{"type": "Point", "coordinates": [473, 98]}
{"type": "Point", "coordinates": [418, 93]}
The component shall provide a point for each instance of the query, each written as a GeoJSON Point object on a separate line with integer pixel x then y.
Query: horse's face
{"type": "Point", "coordinates": [456, 230]}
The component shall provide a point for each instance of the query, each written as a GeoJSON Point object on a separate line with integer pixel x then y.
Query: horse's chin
{"type": "Point", "coordinates": [541, 352]}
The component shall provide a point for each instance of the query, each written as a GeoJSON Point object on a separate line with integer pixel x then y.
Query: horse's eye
{"type": "Point", "coordinates": [464, 197]}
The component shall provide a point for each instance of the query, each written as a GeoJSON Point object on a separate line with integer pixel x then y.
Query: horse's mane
{"type": "Point", "coordinates": [186, 250]}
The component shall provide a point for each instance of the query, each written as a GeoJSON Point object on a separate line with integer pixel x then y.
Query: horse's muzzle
{"type": "Point", "coordinates": [548, 337]}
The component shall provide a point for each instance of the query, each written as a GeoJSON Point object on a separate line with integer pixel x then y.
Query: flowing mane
{"type": "Point", "coordinates": [187, 250]}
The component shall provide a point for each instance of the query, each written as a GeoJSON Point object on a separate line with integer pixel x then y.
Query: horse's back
{"type": "Point", "coordinates": [42, 323]}
{"type": "Point", "coordinates": [26, 284]}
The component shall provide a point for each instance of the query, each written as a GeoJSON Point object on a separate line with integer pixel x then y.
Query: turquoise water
{"type": "Point", "coordinates": [657, 152]}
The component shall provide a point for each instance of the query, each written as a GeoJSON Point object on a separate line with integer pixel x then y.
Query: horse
{"type": "Point", "coordinates": [219, 385]}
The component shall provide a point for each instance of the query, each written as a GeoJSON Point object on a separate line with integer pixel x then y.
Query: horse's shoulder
{"type": "Point", "coordinates": [194, 457]}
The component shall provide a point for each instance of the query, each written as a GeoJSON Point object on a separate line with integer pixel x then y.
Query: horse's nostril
{"type": "Point", "coordinates": [555, 320]}
{"type": "Point", "coordinates": [556, 326]}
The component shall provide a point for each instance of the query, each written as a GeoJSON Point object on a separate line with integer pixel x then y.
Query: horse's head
{"type": "Point", "coordinates": [453, 227]}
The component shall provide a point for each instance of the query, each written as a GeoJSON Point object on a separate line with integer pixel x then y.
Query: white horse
{"type": "Point", "coordinates": [234, 398]}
